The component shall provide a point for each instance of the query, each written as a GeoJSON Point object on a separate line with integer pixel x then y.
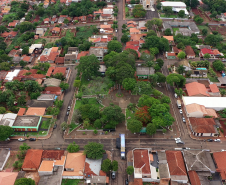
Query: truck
{"type": "Point", "coordinates": [178, 104]}
{"type": "Point", "coordinates": [123, 146]}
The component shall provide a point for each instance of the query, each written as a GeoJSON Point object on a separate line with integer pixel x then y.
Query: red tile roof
{"type": "Point", "coordinates": [132, 43]}
{"type": "Point", "coordinates": [194, 178]}
{"type": "Point", "coordinates": [59, 70]}
{"type": "Point", "coordinates": [59, 60]}
{"type": "Point", "coordinates": [53, 90]}
{"type": "Point", "coordinates": [203, 125]}
{"type": "Point", "coordinates": [6, 34]}
{"type": "Point", "coordinates": [176, 163]}
{"type": "Point", "coordinates": [52, 56]}
{"type": "Point", "coordinates": [56, 29]}
{"type": "Point", "coordinates": [52, 154]}
{"type": "Point", "coordinates": [82, 54]}
{"type": "Point", "coordinates": [22, 72]}
{"type": "Point", "coordinates": [205, 50]}
{"type": "Point", "coordinates": [50, 70]}
{"type": "Point", "coordinates": [220, 160]}
{"type": "Point", "coordinates": [12, 52]}
{"type": "Point", "coordinates": [13, 24]}
{"type": "Point", "coordinates": [43, 58]}
{"type": "Point", "coordinates": [216, 52]}
{"type": "Point", "coordinates": [189, 51]}
{"type": "Point", "coordinates": [171, 54]}
{"type": "Point", "coordinates": [21, 112]}
{"type": "Point", "coordinates": [27, 58]}
{"type": "Point", "coordinates": [214, 88]}
{"type": "Point", "coordinates": [32, 159]}
{"type": "Point", "coordinates": [136, 48]}
{"type": "Point", "coordinates": [195, 88]}
{"type": "Point", "coordinates": [46, 19]}
{"type": "Point", "coordinates": [141, 160]}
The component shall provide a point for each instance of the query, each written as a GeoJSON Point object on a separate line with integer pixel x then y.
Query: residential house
{"type": "Point", "coordinates": [82, 18]}
{"type": "Point", "coordinates": [144, 167]}
{"type": "Point", "coordinates": [40, 31]}
{"type": "Point", "coordinates": [99, 12]}
{"type": "Point", "coordinates": [53, 90]}
{"type": "Point", "coordinates": [217, 53]}
{"type": "Point", "coordinates": [7, 119]}
{"type": "Point", "coordinates": [21, 112]}
{"type": "Point", "coordinates": [82, 54]}
{"type": "Point", "coordinates": [55, 70]}
{"type": "Point", "coordinates": [46, 97]}
{"type": "Point", "coordinates": [175, 50]}
{"type": "Point", "coordinates": [200, 166]}
{"type": "Point", "coordinates": [171, 55]}
{"type": "Point", "coordinates": [108, 10]}
{"type": "Point", "coordinates": [46, 20]}
{"type": "Point", "coordinates": [54, 19]}
{"type": "Point", "coordinates": [189, 52]}
{"type": "Point", "coordinates": [56, 30]}
{"type": "Point", "coordinates": [74, 167]}
{"type": "Point", "coordinates": [10, 75]}
{"type": "Point", "coordinates": [27, 123]}
{"type": "Point", "coordinates": [106, 17]}
{"type": "Point", "coordinates": [4, 153]}
{"type": "Point", "coordinates": [40, 103]}
{"type": "Point", "coordinates": [8, 178]}
{"type": "Point", "coordinates": [106, 29]}
{"type": "Point", "coordinates": [131, 24]}
{"type": "Point", "coordinates": [36, 49]}
{"type": "Point", "coordinates": [32, 160]}
{"type": "Point", "coordinates": [28, 59]}
{"type": "Point", "coordinates": [46, 3]}
{"type": "Point", "coordinates": [170, 39]}
{"type": "Point", "coordinates": [59, 60]}
{"type": "Point", "coordinates": [199, 111]}
{"type": "Point", "coordinates": [71, 55]}
{"type": "Point", "coordinates": [198, 89]}
{"type": "Point", "coordinates": [13, 24]}
{"type": "Point", "coordinates": [163, 165]}
{"type": "Point", "coordinates": [51, 82]}
{"type": "Point", "coordinates": [36, 111]}
{"type": "Point", "coordinates": [10, 34]}
{"type": "Point", "coordinates": [61, 19]}
{"type": "Point", "coordinates": [206, 51]}
{"type": "Point", "coordinates": [203, 127]}
{"type": "Point", "coordinates": [177, 169]}
{"type": "Point", "coordinates": [216, 103]}
{"type": "Point", "coordinates": [134, 43]}
{"type": "Point", "coordinates": [220, 161]}
{"type": "Point", "coordinates": [134, 31]}
{"type": "Point", "coordinates": [98, 52]}
{"type": "Point", "coordinates": [203, 47]}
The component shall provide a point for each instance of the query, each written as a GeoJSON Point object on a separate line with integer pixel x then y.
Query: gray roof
{"type": "Point", "coordinates": [101, 44]}
{"type": "Point", "coordinates": [46, 97]}
{"type": "Point", "coordinates": [16, 59]}
{"type": "Point", "coordinates": [70, 57]}
{"type": "Point", "coordinates": [38, 103]}
{"type": "Point", "coordinates": [28, 121]}
{"type": "Point", "coordinates": [55, 178]}
{"type": "Point", "coordinates": [94, 165]}
{"type": "Point", "coordinates": [197, 160]}
{"type": "Point", "coordinates": [97, 180]}
{"type": "Point", "coordinates": [72, 49]}
{"type": "Point", "coordinates": [145, 70]}
{"type": "Point", "coordinates": [96, 51]}
{"type": "Point", "coordinates": [164, 171]}
{"type": "Point", "coordinates": [191, 25]}
{"type": "Point", "coordinates": [162, 157]}
{"type": "Point", "coordinates": [203, 46]}
{"type": "Point", "coordinates": [52, 82]}
{"type": "Point", "coordinates": [184, 32]}
{"type": "Point", "coordinates": [222, 80]}
{"type": "Point", "coordinates": [39, 31]}
{"type": "Point", "coordinates": [3, 154]}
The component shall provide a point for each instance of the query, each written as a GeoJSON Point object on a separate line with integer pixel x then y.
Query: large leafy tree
{"type": "Point", "coordinates": [123, 70]}
{"type": "Point", "coordinates": [94, 150]}
{"type": "Point", "coordinates": [24, 181]}
{"type": "Point", "coordinates": [181, 55]}
{"type": "Point", "coordinates": [89, 111]}
{"type": "Point", "coordinates": [64, 86]}
{"type": "Point", "coordinates": [106, 165]}
{"type": "Point", "coordinates": [139, 11]}
{"type": "Point", "coordinates": [143, 115]}
{"type": "Point", "coordinates": [151, 129]}
{"type": "Point", "coordinates": [218, 65]}
{"type": "Point", "coordinates": [134, 125]}
{"type": "Point", "coordinates": [72, 148]}
{"type": "Point", "coordinates": [161, 77]}
{"type": "Point", "coordinates": [5, 132]}
{"type": "Point", "coordinates": [153, 41]}
{"type": "Point", "coordinates": [142, 87]}
{"type": "Point", "coordinates": [129, 83]}
{"type": "Point", "coordinates": [114, 165]}
{"type": "Point", "coordinates": [129, 170]}
{"type": "Point", "coordinates": [88, 66]}
{"type": "Point", "coordinates": [148, 101]}
{"type": "Point", "coordinates": [175, 79]}
{"type": "Point", "coordinates": [114, 45]}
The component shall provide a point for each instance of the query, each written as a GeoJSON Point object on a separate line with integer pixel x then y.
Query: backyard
{"type": "Point", "coordinates": [72, 182]}
{"type": "Point", "coordinates": [85, 32]}
{"type": "Point", "coordinates": [201, 27]}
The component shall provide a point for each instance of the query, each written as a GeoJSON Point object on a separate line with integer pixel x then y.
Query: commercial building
{"type": "Point", "coordinates": [27, 123]}
{"type": "Point", "coordinates": [176, 6]}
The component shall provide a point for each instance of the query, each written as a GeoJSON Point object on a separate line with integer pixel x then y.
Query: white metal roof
{"type": "Point", "coordinates": [217, 103]}
{"type": "Point", "coordinates": [173, 3]}
{"type": "Point", "coordinates": [10, 116]}
{"type": "Point", "coordinates": [9, 77]}
{"type": "Point", "coordinates": [178, 9]}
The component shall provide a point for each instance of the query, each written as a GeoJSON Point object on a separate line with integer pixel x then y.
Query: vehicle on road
{"type": "Point", "coordinates": [113, 175]}
{"type": "Point", "coordinates": [186, 148]}
{"type": "Point", "coordinates": [178, 104]}
{"type": "Point", "coordinates": [118, 143]}
{"type": "Point", "coordinates": [21, 139]}
{"type": "Point", "coordinates": [175, 95]}
{"type": "Point", "coordinates": [223, 150]}
{"type": "Point", "coordinates": [32, 139]}
{"type": "Point", "coordinates": [158, 84]}
{"type": "Point", "coordinates": [183, 119]}
{"type": "Point", "coordinates": [210, 140]}
{"type": "Point", "coordinates": [179, 141]}
{"type": "Point", "coordinates": [55, 126]}
{"type": "Point", "coordinates": [116, 31]}
{"type": "Point", "coordinates": [69, 108]}
{"type": "Point", "coordinates": [181, 112]}
{"type": "Point", "coordinates": [123, 146]}
{"type": "Point", "coordinates": [67, 113]}
{"type": "Point", "coordinates": [7, 139]}
{"type": "Point", "coordinates": [217, 140]}
{"type": "Point", "coordinates": [127, 182]}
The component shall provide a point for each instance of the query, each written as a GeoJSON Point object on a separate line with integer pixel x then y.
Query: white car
{"type": "Point", "coordinates": [217, 140]}
{"type": "Point", "coordinates": [116, 31]}
{"type": "Point", "coordinates": [158, 84]}
{"type": "Point", "coordinates": [222, 150]}
{"type": "Point", "coordinates": [21, 139]}
{"type": "Point", "coordinates": [181, 112]}
{"type": "Point", "coordinates": [183, 119]}
{"type": "Point", "coordinates": [175, 95]}
{"type": "Point", "coordinates": [177, 139]}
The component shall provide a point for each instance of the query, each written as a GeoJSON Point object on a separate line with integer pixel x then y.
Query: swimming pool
{"type": "Point", "coordinates": [201, 68]}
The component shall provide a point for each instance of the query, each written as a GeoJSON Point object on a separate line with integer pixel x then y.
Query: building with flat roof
{"type": "Point", "coordinates": [27, 123]}
{"type": "Point", "coordinates": [40, 103]}
{"type": "Point", "coordinates": [7, 119]}
{"type": "Point", "coordinates": [98, 52]}
{"type": "Point", "coordinates": [52, 82]}
{"type": "Point", "coordinates": [44, 97]}
{"type": "Point", "coordinates": [176, 6]}
{"type": "Point", "coordinates": [216, 103]}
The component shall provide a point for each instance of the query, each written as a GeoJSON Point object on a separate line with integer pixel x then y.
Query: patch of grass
{"type": "Point", "coordinates": [85, 32]}
{"type": "Point", "coordinates": [78, 104]}
{"type": "Point", "coordinates": [212, 79]}
{"type": "Point", "coordinates": [129, 114]}
{"type": "Point", "coordinates": [69, 35]}
{"type": "Point", "coordinates": [45, 124]}
{"type": "Point", "coordinates": [70, 182]}
{"type": "Point", "coordinates": [175, 29]}
{"type": "Point", "coordinates": [171, 16]}
{"type": "Point", "coordinates": [201, 27]}
{"type": "Point", "coordinates": [73, 126]}
{"type": "Point", "coordinates": [38, 41]}
{"type": "Point", "coordinates": [18, 134]}
{"type": "Point", "coordinates": [126, 9]}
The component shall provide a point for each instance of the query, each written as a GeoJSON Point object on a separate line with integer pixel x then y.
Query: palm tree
{"type": "Point", "coordinates": [181, 69]}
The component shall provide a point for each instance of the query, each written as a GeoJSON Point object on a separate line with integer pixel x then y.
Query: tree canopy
{"type": "Point", "coordinates": [129, 83]}
{"type": "Point", "coordinates": [114, 45]}
{"type": "Point", "coordinates": [175, 79]}
{"type": "Point", "coordinates": [218, 65]}
{"type": "Point", "coordinates": [153, 41]}
{"type": "Point", "coordinates": [24, 181]}
{"type": "Point", "coordinates": [139, 11]}
{"type": "Point", "coordinates": [94, 150]}
{"type": "Point", "coordinates": [5, 132]}
{"type": "Point", "coordinates": [72, 148]}
{"type": "Point", "coordinates": [134, 125]}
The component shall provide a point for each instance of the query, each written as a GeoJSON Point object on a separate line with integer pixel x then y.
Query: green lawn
{"type": "Point", "coordinates": [126, 9]}
{"type": "Point", "coordinates": [89, 128]}
{"type": "Point", "coordinates": [70, 182]}
{"type": "Point", "coordinates": [69, 35]}
{"type": "Point", "coordinates": [45, 124]}
{"type": "Point", "coordinates": [78, 103]}
{"type": "Point", "coordinates": [201, 27]}
{"type": "Point", "coordinates": [175, 29]}
{"type": "Point", "coordinates": [73, 127]}
{"type": "Point", "coordinates": [38, 41]}
{"type": "Point", "coordinates": [171, 16]}
{"type": "Point", "coordinates": [85, 32]}
{"type": "Point", "coordinates": [129, 114]}
{"type": "Point", "coordinates": [212, 79]}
